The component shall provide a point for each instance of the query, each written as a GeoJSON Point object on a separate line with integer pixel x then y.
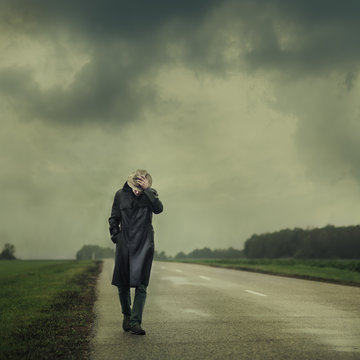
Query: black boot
{"type": "Point", "coordinates": [137, 330]}
{"type": "Point", "coordinates": [126, 323]}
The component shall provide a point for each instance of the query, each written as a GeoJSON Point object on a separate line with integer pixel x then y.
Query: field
{"type": "Point", "coordinates": [46, 308]}
{"type": "Point", "coordinates": [338, 271]}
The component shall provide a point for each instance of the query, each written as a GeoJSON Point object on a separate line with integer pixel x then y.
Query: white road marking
{"type": "Point", "coordinates": [204, 277]}
{"type": "Point", "coordinates": [196, 312]}
{"type": "Point", "coordinates": [178, 270]}
{"type": "Point", "coordinates": [163, 267]}
{"type": "Point", "coordinates": [255, 293]}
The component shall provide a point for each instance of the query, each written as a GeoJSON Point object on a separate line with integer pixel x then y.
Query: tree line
{"type": "Point", "coordinates": [204, 253]}
{"type": "Point", "coordinates": [319, 243]}
{"type": "Point", "coordinates": [96, 252]}
{"type": "Point", "coordinates": [329, 242]}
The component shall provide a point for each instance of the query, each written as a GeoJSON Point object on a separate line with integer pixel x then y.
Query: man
{"type": "Point", "coordinates": [132, 232]}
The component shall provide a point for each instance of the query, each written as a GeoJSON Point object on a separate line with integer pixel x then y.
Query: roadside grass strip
{"type": "Point", "coordinates": [46, 308]}
{"type": "Point", "coordinates": [345, 272]}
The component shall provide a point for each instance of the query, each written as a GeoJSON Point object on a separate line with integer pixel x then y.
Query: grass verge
{"type": "Point", "coordinates": [345, 272]}
{"type": "Point", "coordinates": [47, 308]}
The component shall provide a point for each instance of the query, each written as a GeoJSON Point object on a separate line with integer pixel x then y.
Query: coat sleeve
{"type": "Point", "coordinates": [155, 204]}
{"type": "Point", "coordinates": [115, 218]}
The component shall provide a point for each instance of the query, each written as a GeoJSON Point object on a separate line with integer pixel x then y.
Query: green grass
{"type": "Point", "coordinates": [46, 308]}
{"type": "Point", "coordinates": [338, 271]}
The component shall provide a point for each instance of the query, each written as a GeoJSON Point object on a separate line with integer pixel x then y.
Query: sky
{"type": "Point", "coordinates": [245, 113]}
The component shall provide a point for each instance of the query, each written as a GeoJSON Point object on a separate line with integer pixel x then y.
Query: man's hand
{"type": "Point", "coordinates": [143, 182]}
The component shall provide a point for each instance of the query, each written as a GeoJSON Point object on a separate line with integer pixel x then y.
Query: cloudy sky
{"type": "Point", "coordinates": [246, 113]}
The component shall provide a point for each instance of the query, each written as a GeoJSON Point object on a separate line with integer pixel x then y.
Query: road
{"type": "Point", "coordinates": [201, 312]}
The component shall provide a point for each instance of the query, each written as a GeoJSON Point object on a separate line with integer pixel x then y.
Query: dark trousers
{"type": "Point", "coordinates": [136, 311]}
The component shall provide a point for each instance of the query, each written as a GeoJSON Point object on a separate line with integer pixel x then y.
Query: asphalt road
{"type": "Point", "coordinates": [200, 312]}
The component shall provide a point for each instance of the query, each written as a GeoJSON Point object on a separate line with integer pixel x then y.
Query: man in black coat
{"type": "Point", "coordinates": [132, 232]}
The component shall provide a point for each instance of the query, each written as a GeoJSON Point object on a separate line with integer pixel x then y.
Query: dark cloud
{"type": "Point", "coordinates": [327, 133]}
{"type": "Point", "coordinates": [99, 19]}
{"type": "Point", "coordinates": [350, 80]}
{"type": "Point", "coordinates": [124, 43]}
{"type": "Point", "coordinates": [298, 37]}
{"type": "Point", "coordinates": [309, 50]}
{"type": "Point", "coordinates": [100, 92]}
{"type": "Point", "coordinates": [128, 40]}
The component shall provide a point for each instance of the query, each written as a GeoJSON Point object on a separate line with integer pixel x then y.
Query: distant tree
{"type": "Point", "coordinates": [204, 253]}
{"type": "Point", "coordinates": [94, 252]}
{"type": "Point", "coordinates": [8, 252]}
{"type": "Point", "coordinates": [180, 255]}
{"type": "Point", "coordinates": [160, 256]}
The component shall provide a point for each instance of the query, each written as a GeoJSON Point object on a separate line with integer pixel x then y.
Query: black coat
{"type": "Point", "coordinates": [132, 231]}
